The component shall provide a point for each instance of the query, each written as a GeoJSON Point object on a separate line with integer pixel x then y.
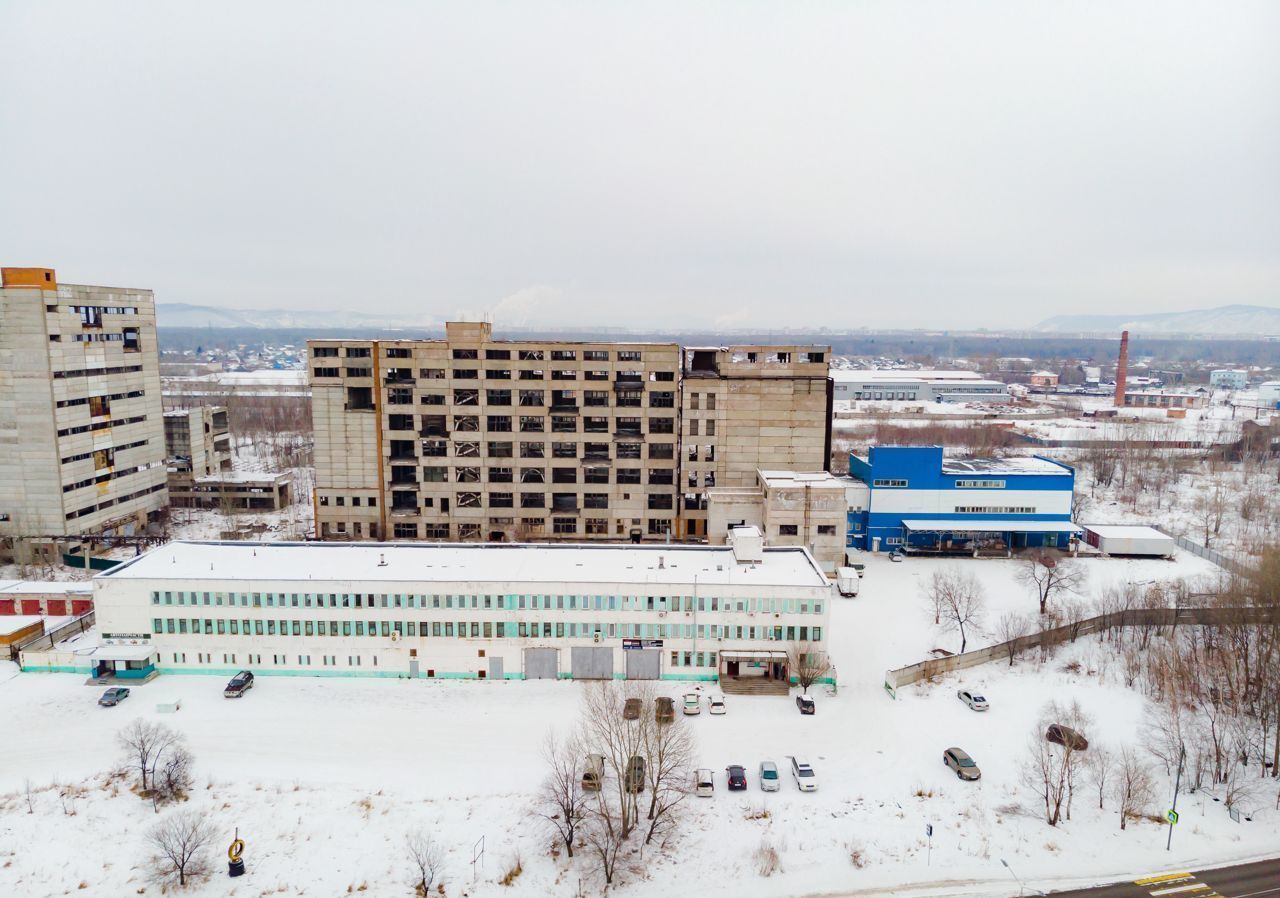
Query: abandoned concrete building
{"type": "Point", "coordinates": [198, 446]}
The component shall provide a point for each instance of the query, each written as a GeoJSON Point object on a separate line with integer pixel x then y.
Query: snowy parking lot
{"type": "Point", "coordinates": [324, 776]}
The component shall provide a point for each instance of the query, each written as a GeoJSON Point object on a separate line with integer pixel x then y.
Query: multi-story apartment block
{"type": "Point", "coordinates": [471, 438]}
{"type": "Point", "coordinates": [81, 433]}
{"type": "Point", "coordinates": [747, 408]}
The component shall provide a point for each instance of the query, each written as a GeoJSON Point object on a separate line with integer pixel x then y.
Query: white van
{"type": "Point", "coordinates": [847, 581]}
{"type": "Point", "coordinates": [704, 786]}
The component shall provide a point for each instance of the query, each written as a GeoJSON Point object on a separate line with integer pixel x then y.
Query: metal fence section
{"type": "Point", "coordinates": [1223, 561]}
{"type": "Point", "coordinates": [1134, 617]}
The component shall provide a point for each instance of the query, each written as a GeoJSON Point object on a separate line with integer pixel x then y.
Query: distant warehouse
{"type": "Point", "coordinates": [916, 386]}
{"type": "Point", "coordinates": [913, 498]}
{"type": "Point", "coordinates": [477, 611]}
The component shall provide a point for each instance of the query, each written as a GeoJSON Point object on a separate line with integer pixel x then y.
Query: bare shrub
{"type": "Point", "coordinates": [1134, 788]}
{"type": "Point", "coordinates": [561, 801]}
{"type": "Point", "coordinates": [426, 860]}
{"type": "Point", "coordinates": [514, 869]}
{"type": "Point", "coordinates": [857, 853]}
{"type": "Point", "coordinates": [766, 858]}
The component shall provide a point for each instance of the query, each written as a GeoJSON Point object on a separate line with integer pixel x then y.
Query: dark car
{"type": "Point", "coordinates": [631, 709]}
{"type": "Point", "coordinates": [1066, 737]}
{"type": "Point", "coordinates": [737, 777]}
{"type": "Point", "coordinates": [635, 774]}
{"type": "Point", "coordinates": [239, 685]}
{"type": "Point", "coordinates": [664, 709]}
{"type": "Point", "coordinates": [113, 696]}
{"type": "Point", "coordinates": [805, 704]}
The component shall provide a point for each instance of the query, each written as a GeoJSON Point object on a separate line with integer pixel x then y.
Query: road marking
{"type": "Point", "coordinates": [1251, 894]}
{"type": "Point", "coordinates": [1174, 890]}
{"type": "Point", "coordinates": [1154, 880]}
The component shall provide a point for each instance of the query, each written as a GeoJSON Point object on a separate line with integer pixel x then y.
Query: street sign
{"type": "Point", "coordinates": [1172, 817]}
{"type": "Point", "coordinates": [928, 829]}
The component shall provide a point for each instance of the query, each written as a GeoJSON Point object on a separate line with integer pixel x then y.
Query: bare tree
{"type": "Point", "coordinates": [172, 774]}
{"type": "Point", "coordinates": [956, 599]}
{"type": "Point", "coordinates": [1100, 764]}
{"type": "Point", "coordinates": [180, 844]}
{"type": "Point", "coordinates": [1051, 770]}
{"type": "Point", "coordinates": [426, 859]}
{"type": "Point", "coordinates": [561, 800]}
{"type": "Point", "coordinates": [1009, 629]}
{"type": "Point", "coordinates": [671, 749]}
{"type": "Point", "coordinates": [605, 831]}
{"type": "Point", "coordinates": [144, 741]}
{"type": "Point", "coordinates": [1051, 576]}
{"type": "Point", "coordinates": [618, 739]}
{"type": "Point", "coordinates": [807, 663]}
{"type": "Point", "coordinates": [1134, 788]}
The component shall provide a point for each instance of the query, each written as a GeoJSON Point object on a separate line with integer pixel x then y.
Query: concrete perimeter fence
{"type": "Point", "coordinates": [1134, 617]}
{"type": "Point", "coordinates": [50, 638]}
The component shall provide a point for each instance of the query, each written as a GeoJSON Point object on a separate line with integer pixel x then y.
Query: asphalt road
{"type": "Point", "coordinates": [1260, 880]}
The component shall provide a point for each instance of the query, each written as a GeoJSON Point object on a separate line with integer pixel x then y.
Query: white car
{"type": "Point", "coordinates": [975, 701]}
{"type": "Point", "coordinates": [715, 704]}
{"type": "Point", "coordinates": [769, 781]}
{"type": "Point", "coordinates": [704, 784]}
{"type": "Point", "coordinates": [806, 779]}
{"type": "Point", "coordinates": [692, 703]}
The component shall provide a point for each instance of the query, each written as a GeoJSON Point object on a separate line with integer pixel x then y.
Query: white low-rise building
{"type": "Point", "coordinates": [875, 385]}
{"type": "Point", "coordinates": [462, 611]}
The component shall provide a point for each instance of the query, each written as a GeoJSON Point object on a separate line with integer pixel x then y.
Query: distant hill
{"type": "Point", "coordinates": [1254, 321]}
{"type": "Point", "coordinates": [177, 314]}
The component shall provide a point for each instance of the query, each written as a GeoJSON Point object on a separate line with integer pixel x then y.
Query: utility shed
{"type": "Point", "coordinates": [1125, 539]}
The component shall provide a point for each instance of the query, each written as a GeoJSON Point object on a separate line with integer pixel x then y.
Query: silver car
{"type": "Point", "coordinates": [975, 701]}
{"type": "Point", "coordinates": [769, 781]}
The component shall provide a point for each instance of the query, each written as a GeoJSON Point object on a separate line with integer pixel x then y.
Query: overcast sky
{"type": "Point", "coordinates": [877, 163]}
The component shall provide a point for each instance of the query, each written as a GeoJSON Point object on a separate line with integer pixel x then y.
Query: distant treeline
{"type": "Point", "coordinates": [908, 346]}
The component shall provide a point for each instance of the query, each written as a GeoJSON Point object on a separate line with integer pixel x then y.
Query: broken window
{"type": "Point", "coordinates": [533, 500]}
{"type": "Point", "coordinates": [466, 449]}
{"type": "Point", "coordinates": [533, 450]}
{"type": "Point", "coordinates": [468, 500]}
{"type": "Point", "coordinates": [564, 450]}
{"type": "Point", "coordinates": [466, 397]}
{"type": "Point", "coordinates": [435, 475]}
{"type": "Point", "coordinates": [501, 500]}
{"type": "Point", "coordinates": [533, 475]}
{"type": "Point", "coordinates": [466, 423]}
{"type": "Point", "coordinates": [500, 450]}
{"type": "Point", "coordinates": [467, 475]}
{"type": "Point", "coordinates": [434, 448]}
{"type": "Point", "coordinates": [531, 424]}
{"type": "Point", "coordinates": [499, 423]}
{"type": "Point", "coordinates": [564, 475]}
{"type": "Point", "coordinates": [499, 475]}
{"type": "Point", "coordinates": [498, 397]}
{"type": "Point", "coordinates": [531, 355]}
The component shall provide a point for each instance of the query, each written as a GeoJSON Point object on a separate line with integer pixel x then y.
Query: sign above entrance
{"type": "Point", "coordinates": [641, 643]}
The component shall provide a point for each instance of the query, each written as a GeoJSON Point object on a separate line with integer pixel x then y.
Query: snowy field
{"type": "Point", "coordinates": [323, 777]}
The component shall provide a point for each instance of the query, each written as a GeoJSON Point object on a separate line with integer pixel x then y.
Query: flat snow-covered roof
{"type": "Point", "coordinates": [453, 562]}
{"type": "Point", "coordinates": [1005, 525]}
{"type": "Point", "coordinates": [53, 587]}
{"type": "Point", "coordinates": [1016, 464]}
{"type": "Point", "coordinates": [870, 375]}
{"type": "Point", "coordinates": [1126, 531]}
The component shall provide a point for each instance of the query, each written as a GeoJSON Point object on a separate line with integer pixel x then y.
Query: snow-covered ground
{"type": "Point", "coordinates": [323, 777]}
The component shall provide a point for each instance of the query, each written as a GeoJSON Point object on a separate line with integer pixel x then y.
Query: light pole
{"type": "Point", "coordinates": [1021, 885]}
{"type": "Point", "coordinates": [1014, 875]}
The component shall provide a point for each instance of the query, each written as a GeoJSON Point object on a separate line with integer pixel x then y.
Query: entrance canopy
{"type": "Point", "coordinates": [122, 653]}
{"type": "Point", "coordinates": [992, 526]}
{"type": "Point", "coordinates": [753, 656]}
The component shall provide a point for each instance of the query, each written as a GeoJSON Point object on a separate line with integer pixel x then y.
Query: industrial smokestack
{"type": "Point", "coordinates": [1122, 368]}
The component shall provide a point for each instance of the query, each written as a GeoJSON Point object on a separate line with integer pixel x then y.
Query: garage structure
{"type": "Point", "coordinates": [1129, 539]}
{"type": "Point", "coordinates": [643, 663]}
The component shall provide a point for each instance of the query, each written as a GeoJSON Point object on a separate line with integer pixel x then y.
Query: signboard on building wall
{"type": "Point", "coordinates": [628, 643]}
{"type": "Point", "coordinates": [126, 638]}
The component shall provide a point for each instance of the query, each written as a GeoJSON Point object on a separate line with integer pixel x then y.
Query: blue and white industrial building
{"type": "Point", "coordinates": [914, 498]}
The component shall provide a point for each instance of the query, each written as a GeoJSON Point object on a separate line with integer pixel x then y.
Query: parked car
{"type": "Point", "coordinates": [593, 772]}
{"type": "Point", "coordinates": [802, 772]}
{"type": "Point", "coordinates": [715, 705]}
{"type": "Point", "coordinates": [848, 581]}
{"type": "Point", "coordinates": [959, 761]}
{"type": "Point", "coordinates": [973, 700]}
{"type": "Point", "coordinates": [635, 774]}
{"type": "Point", "coordinates": [113, 696]}
{"type": "Point", "coordinates": [664, 709]}
{"type": "Point", "coordinates": [704, 785]}
{"type": "Point", "coordinates": [1066, 737]}
{"type": "Point", "coordinates": [805, 704]}
{"type": "Point", "coordinates": [897, 555]}
{"type": "Point", "coordinates": [737, 777]}
{"type": "Point", "coordinates": [692, 703]}
{"type": "Point", "coordinates": [239, 685]}
{"type": "Point", "coordinates": [631, 709]}
{"type": "Point", "coordinates": [769, 781]}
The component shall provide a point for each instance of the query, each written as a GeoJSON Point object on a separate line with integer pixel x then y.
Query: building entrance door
{"type": "Point", "coordinates": [495, 669]}
{"type": "Point", "coordinates": [413, 668]}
